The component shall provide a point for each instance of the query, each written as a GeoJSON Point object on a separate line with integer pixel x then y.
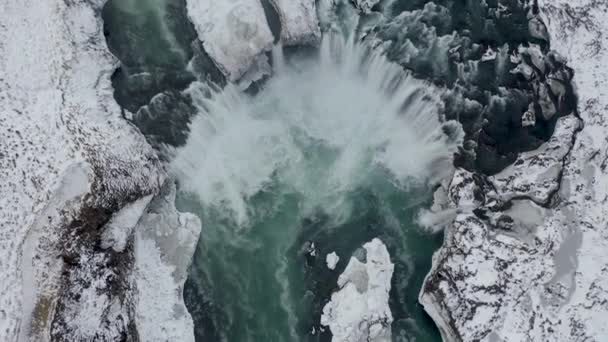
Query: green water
{"type": "Point", "coordinates": [262, 285]}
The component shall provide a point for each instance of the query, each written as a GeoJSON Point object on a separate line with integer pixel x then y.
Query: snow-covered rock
{"type": "Point", "coordinates": [234, 33]}
{"type": "Point", "coordinates": [536, 174]}
{"type": "Point", "coordinates": [299, 24]}
{"type": "Point", "coordinates": [520, 272]}
{"type": "Point", "coordinates": [359, 310]}
{"type": "Point", "coordinates": [332, 260]}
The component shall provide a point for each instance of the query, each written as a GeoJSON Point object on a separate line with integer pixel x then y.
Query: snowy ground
{"type": "Point", "coordinates": [530, 271]}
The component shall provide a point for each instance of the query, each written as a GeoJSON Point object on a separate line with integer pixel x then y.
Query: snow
{"type": "Point", "coordinates": [234, 33]}
{"type": "Point", "coordinates": [299, 24]}
{"type": "Point", "coordinates": [359, 310]}
{"type": "Point", "coordinates": [65, 148]}
{"type": "Point", "coordinates": [530, 264]}
{"type": "Point", "coordinates": [64, 145]}
{"type": "Point", "coordinates": [332, 260]}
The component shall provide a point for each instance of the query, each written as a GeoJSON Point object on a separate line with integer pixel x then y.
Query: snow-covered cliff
{"type": "Point", "coordinates": [75, 178]}
{"type": "Point", "coordinates": [525, 258]}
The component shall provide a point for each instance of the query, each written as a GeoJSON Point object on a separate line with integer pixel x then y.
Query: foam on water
{"type": "Point", "coordinates": [318, 127]}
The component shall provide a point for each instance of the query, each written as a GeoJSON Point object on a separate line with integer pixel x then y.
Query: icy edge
{"type": "Point", "coordinates": [165, 240]}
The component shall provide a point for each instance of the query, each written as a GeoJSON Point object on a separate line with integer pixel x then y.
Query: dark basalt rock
{"type": "Point", "coordinates": [467, 47]}
{"type": "Point", "coordinates": [165, 119]}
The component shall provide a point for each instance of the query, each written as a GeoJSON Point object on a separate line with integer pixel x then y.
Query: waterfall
{"type": "Point", "coordinates": [278, 59]}
{"type": "Point", "coordinates": [350, 100]}
{"type": "Point", "coordinates": [267, 172]}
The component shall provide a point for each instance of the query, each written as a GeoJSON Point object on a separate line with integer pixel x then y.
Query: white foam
{"type": "Point", "coordinates": [350, 107]}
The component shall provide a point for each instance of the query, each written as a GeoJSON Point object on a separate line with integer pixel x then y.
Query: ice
{"type": "Point", "coordinates": [366, 5]}
{"type": "Point", "coordinates": [530, 264]}
{"type": "Point", "coordinates": [535, 173]}
{"type": "Point", "coordinates": [120, 227]}
{"type": "Point", "coordinates": [359, 311]}
{"type": "Point", "coordinates": [332, 260]}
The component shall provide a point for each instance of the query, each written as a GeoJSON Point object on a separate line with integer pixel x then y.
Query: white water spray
{"type": "Point", "coordinates": [318, 126]}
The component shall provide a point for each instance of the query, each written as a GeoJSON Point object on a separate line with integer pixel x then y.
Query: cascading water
{"type": "Point", "coordinates": [333, 150]}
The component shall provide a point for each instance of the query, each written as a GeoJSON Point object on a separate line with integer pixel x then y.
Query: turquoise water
{"type": "Point", "coordinates": [325, 154]}
{"type": "Point", "coordinates": [260, 284]}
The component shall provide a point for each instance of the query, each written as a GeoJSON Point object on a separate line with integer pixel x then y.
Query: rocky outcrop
{"type": "Point", "coordinates": [526, 261]}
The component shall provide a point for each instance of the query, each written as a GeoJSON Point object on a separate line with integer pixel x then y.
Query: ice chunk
{"type": "Point", "coordinates": [332, 260]}
{"type": "Point", "coordinates": [165, 240]}
{"type": "Point", "coordinates": [234, 33]}
{"type": "Point", "coordinates": [359, 311]}
{"type": "Point", "coordinates": [489, 55]}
